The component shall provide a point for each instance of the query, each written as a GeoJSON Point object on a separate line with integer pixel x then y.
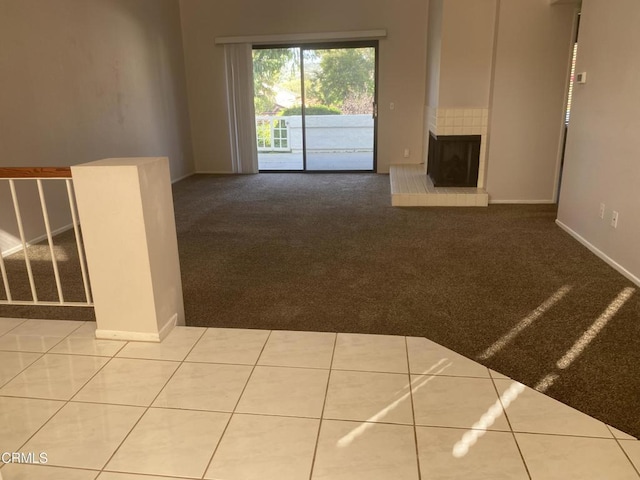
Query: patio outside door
{"type": "Point", "coordinates": [315, 107]}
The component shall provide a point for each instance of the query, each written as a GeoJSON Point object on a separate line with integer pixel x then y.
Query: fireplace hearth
{"type": "Point", "coordinates": [453, 160]}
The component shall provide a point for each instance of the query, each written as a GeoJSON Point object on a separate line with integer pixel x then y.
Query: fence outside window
{"type": "Point", "coordinates": [272, 134]}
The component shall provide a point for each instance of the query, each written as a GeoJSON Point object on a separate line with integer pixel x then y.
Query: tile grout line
{"type": "Point", "coordinates": [43, 466]}
{"type": "Point", "coordinates": [147, 408]}
{"type": "Point", "coordinates": [42, 354]}
{"type": "Point", "coordinates": [610, 427]}
{"type": "Point", "coordinates": [233, 412]}
{"type": "Point", "coordinates": [301, 417]}
{"type": "Point", "coordinates": [413, 410]}
{"type": "Point", "coordinates": [418, 374]}
{"type": "Point", "coordinates": [563, 435]}
{"type": "Point", "coordinates": [70, 400]}
{"type": "Point", "coordinates": [65, 402]}
{"type": "Point", "coordinates": [287, 366]}
{"type": "Point", "coordinates": [346, 420]}
{"type": "Point", "coordinates": [150, 405]}
{"type": "Point", "coordinates": [255, 365]}
{"type": "Point", "coordinates": [11, 379]}
{"type": "Point", "coordinates": [324, 405]}
{"type": "Point", "coordinates": [513, 434]}
{"type": "Point", "coordinates": [82, 324]}
{"type": "Point", "coordinates": [15, 326]}
{"type": "Point", "coordinates": [624, 452]}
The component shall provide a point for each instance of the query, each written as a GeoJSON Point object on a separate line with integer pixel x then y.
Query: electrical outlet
{"type": "Point", "coordinates": [406, 153]}
{"type": "Point", "coordinates": [602, 210]}
{"type": "Point", "coordinates": [614, 219]}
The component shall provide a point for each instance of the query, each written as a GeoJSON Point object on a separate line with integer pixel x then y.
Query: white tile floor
{"type": "Point", "coordinates": [258, 405]}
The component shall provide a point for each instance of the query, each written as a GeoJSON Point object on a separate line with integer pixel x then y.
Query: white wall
{"type": "Point", "coordinates": [434, 52]}
{"type": "Point", "coordinates": [532, 63]}
{"type": "Point", "coordinates": [602, 163]}
{"type": "Point", "coordinates": [401, 74]}
{"type": "Point", "coordinates": [467, 53]}
{"type": "Point", "coordinates": [83, 80]}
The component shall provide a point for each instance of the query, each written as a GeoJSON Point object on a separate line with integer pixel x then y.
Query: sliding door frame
{"type": "Point", "coordinates": [329, 45]}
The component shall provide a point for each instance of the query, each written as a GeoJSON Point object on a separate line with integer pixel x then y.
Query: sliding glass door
{"type": "Point", "coordinates": [315, 107]}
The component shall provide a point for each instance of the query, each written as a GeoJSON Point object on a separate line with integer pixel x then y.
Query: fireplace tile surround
{"type": "Point", "coordinates": [461, 121]}
{"type": "Point", "coordinates": [410, 185]}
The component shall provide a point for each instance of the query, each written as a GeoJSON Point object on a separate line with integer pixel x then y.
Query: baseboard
{"type": "Point", "coordinates": [168, 326]}
{"type": "Point", "coordinates": [182, 177]}
{"type": "Point", "coordinates": [521, 202]}
{"type": "Point", "coordinates": [33, 241]}
{"type": "Point", "coordinates": [128, 336]}
{"type": "Point", "coordinates": [599, 253]}
{"type": "Point", "coordinates": [212, 172]}
{"type": "Point", "coordinates": [139, 336]}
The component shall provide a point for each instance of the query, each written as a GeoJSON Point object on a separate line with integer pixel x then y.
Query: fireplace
{"type": "Point", "coordinates": [453, 160]}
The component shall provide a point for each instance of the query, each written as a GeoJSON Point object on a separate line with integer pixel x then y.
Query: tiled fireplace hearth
{"type": "Point", "coordinates": [457, 137]}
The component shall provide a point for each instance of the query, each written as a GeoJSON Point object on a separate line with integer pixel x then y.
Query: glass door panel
{"type": "Point", "coordinates": [278, 104]}
{"type": "Point", "coordinates": [339, 101]}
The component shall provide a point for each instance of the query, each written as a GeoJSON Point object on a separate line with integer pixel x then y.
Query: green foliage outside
{"type": "Point", "coordinates": [345, 76]}
{"type": "Point", "coordinates": [337, 80]}
{"type": "Point", "coordinates": [311, 110]}
{"type": "Point", "coordinates": [263, 133]}
{"type": "Point", "coordinates": [271, 67]}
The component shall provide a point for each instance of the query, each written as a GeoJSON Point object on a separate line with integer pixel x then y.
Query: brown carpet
{"type": "Point", "coordinates": [327, 252]}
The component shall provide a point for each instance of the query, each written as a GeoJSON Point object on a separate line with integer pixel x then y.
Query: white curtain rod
{"type": "Point", "coordinates": [303, 37]}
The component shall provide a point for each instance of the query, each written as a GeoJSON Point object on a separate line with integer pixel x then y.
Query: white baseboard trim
{"type": "Point", "coordinates": [213, 172]}
{"type": "Point", "coordinates": [521, 202]}
{"type": "Point", "coordinates": [599, 253]}
{"type": "Point", "coordinates": [182, 177]}
{"type": "Point", "coordinates": [168, 326]}
{"type": "Point", "coordinates": [139, 336]}
{"type": "Point", "coordinates": [33, 241]}
{"type": "Point", "coordinates": [128, 336]}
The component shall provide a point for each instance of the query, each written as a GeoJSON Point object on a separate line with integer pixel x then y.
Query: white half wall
{"type": "Point", "coordinates": [602, 163]}
{"type": "Point", "coordinates": [128, 226]}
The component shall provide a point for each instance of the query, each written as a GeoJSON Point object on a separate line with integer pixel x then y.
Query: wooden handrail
{"type": "Point", "coordinates": [35, 172]}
